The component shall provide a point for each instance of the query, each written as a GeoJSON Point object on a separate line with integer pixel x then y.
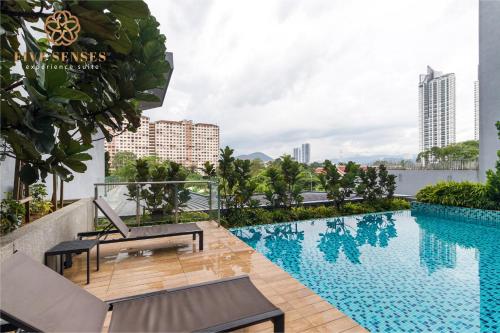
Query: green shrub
{"type": "Point", "coordinates": [351, 208]}
{"type": "Point", "coordinates": [12, 213]}
{"type": "Point", "coordinates": [398, 204]}
{"type": "Point", "coordinates": [39, 205]}
{"type": "Point", "coordinates": [461, 194]}
{"type": "Point", "coordinates": [255, 216]}
{"type": "Point", "coordinates": [193, 216]}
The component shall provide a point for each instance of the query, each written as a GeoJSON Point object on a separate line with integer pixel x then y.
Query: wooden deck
{"type": "Point", "coordinates": [143, 266]}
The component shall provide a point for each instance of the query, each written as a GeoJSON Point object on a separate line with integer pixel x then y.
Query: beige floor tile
{"type": "Point", "coordinates": [144, 266]}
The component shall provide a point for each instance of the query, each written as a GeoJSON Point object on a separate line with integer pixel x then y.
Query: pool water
{"type": "Point", "coordinates": [393, 272]}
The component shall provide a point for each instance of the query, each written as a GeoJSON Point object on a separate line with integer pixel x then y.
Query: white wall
{"type": "Point", "coordinates": [82, 186]}
{"type": "Point", "coordinates": [408, 182]}
{"type": "Point", "coordinates": [489, 83]}
{"type": "Point", "coordinates": [35, 238]}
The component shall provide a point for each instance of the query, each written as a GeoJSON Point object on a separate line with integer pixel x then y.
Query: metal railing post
{"type": "Point", "coordinates": [176, 204]}
{"type": "Point", "coordinates": [96, 195]}
{"type": "Point", "coordinates": [138, 205]}
{"type": "Point", "coordinates": [210, 198]}
{"type": "Point", "coordinates": [218, 205]}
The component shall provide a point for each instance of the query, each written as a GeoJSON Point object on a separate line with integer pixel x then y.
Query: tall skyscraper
{"type": "Point", "coordinates": [436, 109]}
{"type": "Point", "coordinates": [476, 110]}
{"type": "Point", "coordinates": [296, 154]}
{"type": "Point", "coordinates": [306, 153]}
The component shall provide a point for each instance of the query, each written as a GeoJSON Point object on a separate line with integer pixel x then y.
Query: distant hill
{"type": "Point", "coordinates": [366, 159]}
{"type": "Point", "coordinates": [254, 156]}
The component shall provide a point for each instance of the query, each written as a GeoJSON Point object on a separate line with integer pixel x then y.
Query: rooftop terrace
{"type": "Point", "coordinates": [138, 267]}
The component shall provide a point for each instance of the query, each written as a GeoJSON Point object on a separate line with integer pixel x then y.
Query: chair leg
{"type": "Point", "coordinates": [279, 323]}
{"type": "Point", "coordinates": [200, 235]}
{"type": "Point", "coordinates": [97, 255]}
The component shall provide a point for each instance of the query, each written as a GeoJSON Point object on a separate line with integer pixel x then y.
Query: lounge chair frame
{"type": "Point", "coordinates": [277, 317]}
{"type": "Point", "coordinates": [108, 230]}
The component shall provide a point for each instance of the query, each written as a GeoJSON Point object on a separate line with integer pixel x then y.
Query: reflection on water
{"type": "Point", "coordinates": [393, 271]}
{"type": "Point", "coordinates": [338, 238]}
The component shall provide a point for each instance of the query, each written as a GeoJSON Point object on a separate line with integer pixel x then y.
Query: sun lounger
{"type": "Point", "coordinates": [140, 233]}
{"type": "Point", "coordinates": [35, 298]}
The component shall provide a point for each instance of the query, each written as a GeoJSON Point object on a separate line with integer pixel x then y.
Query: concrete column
{"type": "Point", "coordinates": [489, 84]}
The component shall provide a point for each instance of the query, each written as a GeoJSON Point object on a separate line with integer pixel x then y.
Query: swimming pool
{"type": "Point", "coordinates": [393, 272]}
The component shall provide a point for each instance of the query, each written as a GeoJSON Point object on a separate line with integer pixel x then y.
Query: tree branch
{"type": "Point", "coordinates": [25, 14]}
{"type": "Point", "coordinates": [14, 85]}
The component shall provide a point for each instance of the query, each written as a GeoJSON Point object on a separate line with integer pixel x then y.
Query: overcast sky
{"type": "Point", "coordinates": [341, 75]}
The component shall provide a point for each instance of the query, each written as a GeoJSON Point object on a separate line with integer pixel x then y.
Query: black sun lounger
{"type": "Point", "coordinates": [138, 233]}
{"type": "Point", "coordinates": [37, 299]}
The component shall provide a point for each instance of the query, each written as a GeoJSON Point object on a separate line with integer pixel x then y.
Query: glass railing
{"type": "Point", "coordinates": [152, 203]}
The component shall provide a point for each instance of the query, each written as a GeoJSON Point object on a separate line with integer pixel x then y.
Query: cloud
{"type": "Point", "coordinates": [341, 75]}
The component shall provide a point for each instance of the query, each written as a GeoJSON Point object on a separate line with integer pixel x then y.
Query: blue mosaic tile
{"type": "Point", "coordinates": [393, 272]}
{"type": "Point", "coordinates": [460, 214]}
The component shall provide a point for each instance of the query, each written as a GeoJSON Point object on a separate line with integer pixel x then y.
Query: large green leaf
{"type": "Point", "coordinates": [121, 44]}
{"type": "Point", "coordinates": [71, 94]}
{"type": "Point", "coordinates": [44, 139]}
{"type": "Point", "coordinates": [52, 76]}
{"type": "Point", "coordinates": [135, 9]}
{"type": "Point", "coordinates": [28, 174]}
{"type": "Point", "coordinates": [75, 165]}
{"type": "Point", "coordinates": [21, 144]}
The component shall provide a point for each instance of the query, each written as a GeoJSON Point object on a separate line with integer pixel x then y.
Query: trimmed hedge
{"type": "Point", "coordinates": [254, 216]}
{"type": "Point", "coordinates": [461, 194]}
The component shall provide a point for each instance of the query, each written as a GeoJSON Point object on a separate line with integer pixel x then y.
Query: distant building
{"type": "Point", "coordinates": [137, 143]}
{"type": "Point", "coordinates": [306, 153]}
{"type": "Point", "coordinates": [436, 109]}
{"type": "Point", "coordinates": [302, 154]}
{"type": "Point", "coordinates": [182, 142]}
{"type": "Point", "coordinates": [476, 110]}
{"type": "Point", "coordinates": [296, 154]}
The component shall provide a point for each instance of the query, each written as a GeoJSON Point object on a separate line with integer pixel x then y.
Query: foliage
{"type": "Point", "coordinates": [386, 182]}
{"type": "Point", "coordinates": [466, 194]}
{"type": "Point", "coordinates": [227, 179]}
{"type": "Point", "coordinates": [465, 151]}
{"type": "Point", "coordinates": [339, 187]}
{"type": "Point", "coordinates": [375, 183]}
{"type": "Point", "coordinates": [255, 216]}
{"type": "Point", "coordinates": [368, 185]}
{"type": "Point", "coordinates": [236, 185]}
{"type": "Point", "coordinates": [39, 205]}
{"type": "Point", "coordinates": [256, 167]}
{"type": "Point", "coordinates": [209, 170]}
{"type": "Point", "coordinates": [12, 213]}
{"type": "Point", "coordinates": [493, 178]}
{"type": "Point", "coordinates": [462, 194]}
{"type": "Point", "coordinates": [50, 114]}
{"type": "Point", "coordinates": [284, 182]}
{"type": "Point", "coordinates": [107, 158]}
{"type": "Point", "coordinates": [124, 165]}
{"type": "Point", "coordinates": [159, 199]}
{"type": "Point", "coordinates": [276, 192]}
{"type": "Point", "coordinates": [245, 188]}
{"type": "Point", "coordinates": [183, 217]}
{"type": "Point", "coordinates": [123, 158]}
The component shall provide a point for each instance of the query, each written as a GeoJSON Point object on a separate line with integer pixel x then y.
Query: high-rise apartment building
{"type": "Point", "coordinates": [302, 154]}
{"type": "Point", "coordinates": [182, 142]}
{"type": "Point", "coordinates": [306, 153]}
{"type": "Point", "coordinates": [296, 154]}
{"type": "Point", "coordinates": [476, 110]}
{"type": "Point", "coordinates": [137, 142]}
{"type": "Point", "coordinates": [436, 109]}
